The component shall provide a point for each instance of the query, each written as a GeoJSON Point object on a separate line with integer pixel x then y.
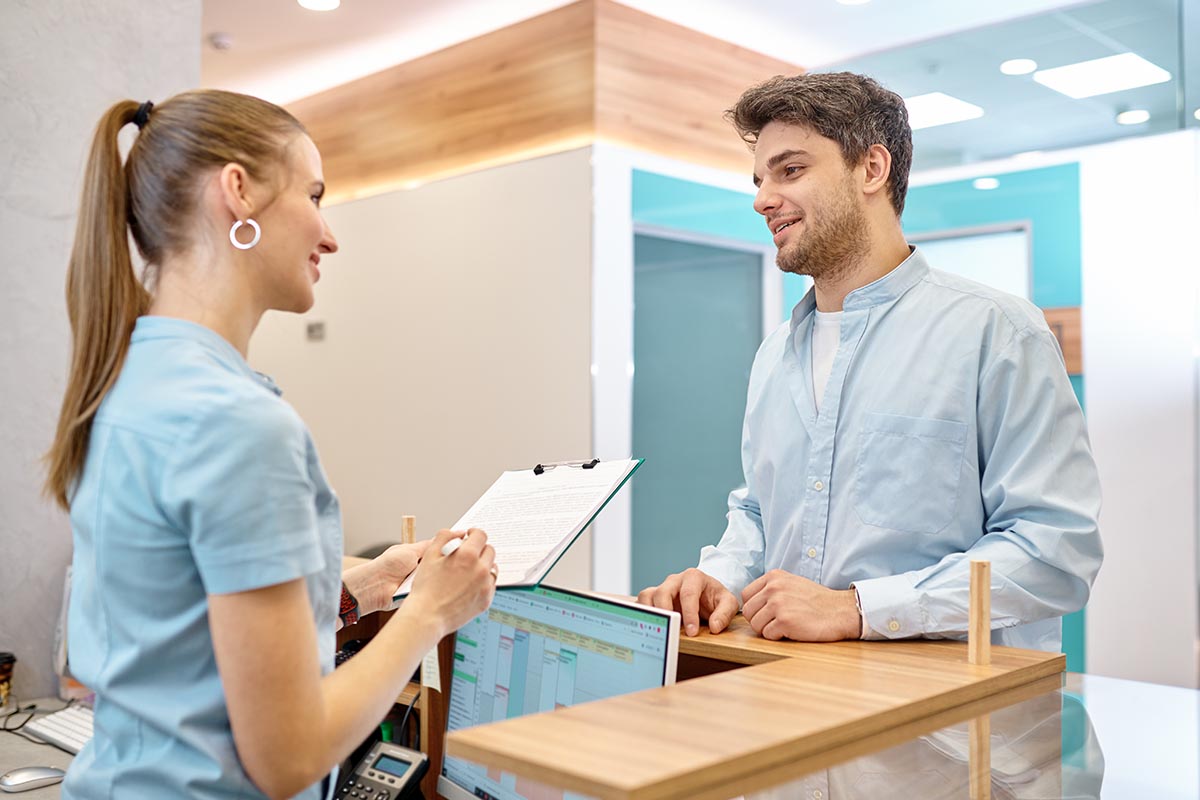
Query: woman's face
{"type": "Point", "coordinates": [294, 232]}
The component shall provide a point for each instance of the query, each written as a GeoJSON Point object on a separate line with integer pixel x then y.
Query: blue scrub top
{"type": "Point", "coordinates": [199, 480]}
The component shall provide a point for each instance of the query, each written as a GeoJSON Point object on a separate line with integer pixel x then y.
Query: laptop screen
{"type": "Point", "coordinates": [540, 648]}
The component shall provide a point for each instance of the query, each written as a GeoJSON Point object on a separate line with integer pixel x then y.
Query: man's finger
{"type": "Point", "coordinates": [773, 630]}
{"type": "Point", "coordinates": [760, 619]}
{"type": "Point", "coordinates": [689, 601]}
{"type": "Point", "coordinates": [753, 605]}
{"type": "Point", "coordinates": [646, 596]}
{"type": "Point", "coordinates": [666, 595]}
{"type": "Point", "coordinates": [726, 607]}
{"type": "Point", "coordinates": [754, 588]}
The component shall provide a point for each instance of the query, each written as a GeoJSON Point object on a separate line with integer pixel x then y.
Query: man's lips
{"type": "Point", "coordinates": [780, 228]}
{"type": "Point", "coordinates": [776, 225]}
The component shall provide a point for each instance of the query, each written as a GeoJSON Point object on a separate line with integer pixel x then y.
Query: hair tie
{"type": "Point", "coordinates": [143, 114]}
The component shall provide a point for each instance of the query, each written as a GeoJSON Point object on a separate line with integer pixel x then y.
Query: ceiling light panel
{"type": "Point", "coordinates": [938, 108]}
{"type": "Point", "coordinates": [1102, 76]}
{"type": "Point", "coordinates": [1134, 116]}
{"type": "Point", "coordinates": [1018, 66]}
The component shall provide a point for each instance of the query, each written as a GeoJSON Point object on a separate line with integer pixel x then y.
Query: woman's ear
{"type": "Point", "coordinates": [233, 182]}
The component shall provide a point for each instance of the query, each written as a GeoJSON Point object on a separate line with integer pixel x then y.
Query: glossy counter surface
{"type": "Point", "coordinates": [1094, 737]}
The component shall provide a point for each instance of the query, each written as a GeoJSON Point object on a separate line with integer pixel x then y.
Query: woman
{"type": "Point", "coordinates": [207, 540]}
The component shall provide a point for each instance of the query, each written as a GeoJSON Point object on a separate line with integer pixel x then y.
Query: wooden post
{"type": "Point", "coordinates": [408, 529]}
{"type": "Point", "coordinates": [434, 710]}
{"type": "Point", "coordinates": [980, 760]}
{"type": "Point", "coordinates": [979, 632]}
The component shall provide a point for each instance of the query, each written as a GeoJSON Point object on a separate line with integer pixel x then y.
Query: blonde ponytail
{"type": "Point", "coordinates": [104, 300]}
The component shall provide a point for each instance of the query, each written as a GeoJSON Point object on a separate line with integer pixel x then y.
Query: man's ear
{"type": "Point", "coordinates": [878, 168]}
{"type": "Point", "coordinates": [233, 182]}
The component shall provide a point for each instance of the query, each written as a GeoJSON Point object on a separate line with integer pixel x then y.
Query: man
{"type": "Point", "coordinates": [904, 421]}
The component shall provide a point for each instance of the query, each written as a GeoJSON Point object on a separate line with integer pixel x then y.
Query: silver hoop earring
{"type": "Point", "coordinates": [233, 235]}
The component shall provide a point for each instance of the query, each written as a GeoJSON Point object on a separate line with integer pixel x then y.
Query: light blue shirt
{"type": "Point", "coordinates": [948, 432]}
{"type": "Point", "coordinates": [199, 480]}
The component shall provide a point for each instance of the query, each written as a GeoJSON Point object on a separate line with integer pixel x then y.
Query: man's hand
{"type": "Point", "coordinates": [695, 595]}
{"type": "Point", "coordinates": [373, 582]}
{"type": "Point", "coordinates": [782, 605]}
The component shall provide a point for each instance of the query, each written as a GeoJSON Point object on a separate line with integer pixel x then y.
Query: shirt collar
{"type": "Point", "coordinates": [890, 287]}
{"type": "Point", "coordinates": [151, 327]}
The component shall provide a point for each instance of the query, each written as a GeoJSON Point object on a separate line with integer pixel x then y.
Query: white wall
{"type": "Point", "coordinates": [1138, 201]}
{"type": "Point", "coordinates": [1139, 210]}
{"type": "Point", "coordinates": [63, 63]}
{"type": "Point", "coordinates": [457, 345]}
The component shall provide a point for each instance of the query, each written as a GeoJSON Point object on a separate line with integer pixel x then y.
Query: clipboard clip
{"type": "Point", "coordinates": [540, 468]}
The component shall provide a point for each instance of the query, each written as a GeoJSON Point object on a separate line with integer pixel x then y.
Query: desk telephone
{"type": "Point", "coordinates": [386, 772]}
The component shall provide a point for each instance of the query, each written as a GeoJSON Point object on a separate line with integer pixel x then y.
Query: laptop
{"type": "Point", "coordinates": [540, 648]}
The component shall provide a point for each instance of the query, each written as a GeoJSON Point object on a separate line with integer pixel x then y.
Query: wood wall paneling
{"type": "Point", "coordinates": [593, 69]}
{"type": "Point", "coordinates": [521, 88]}
{"type": "Point", "coordinates": [664, 88]}
{"type": "Point", "coordinates": [1066, 325]}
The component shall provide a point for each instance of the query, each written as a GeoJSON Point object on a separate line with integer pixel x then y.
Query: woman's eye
{"type": "Point", "coordinates": [316, 198]}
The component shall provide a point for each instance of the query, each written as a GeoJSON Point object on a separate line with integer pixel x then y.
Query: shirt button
{"type": "Point", "coordinates": [817, 795]}
{"type": "Point", "coordinates": [818, 485]}
{"type": "Point", "coordinates": [812, 552]}
{"type": "Point", "coordinates": [893, 626]}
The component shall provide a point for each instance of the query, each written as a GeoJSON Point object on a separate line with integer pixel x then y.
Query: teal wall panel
{"type": "Point", "coordinates": [1047, 198]}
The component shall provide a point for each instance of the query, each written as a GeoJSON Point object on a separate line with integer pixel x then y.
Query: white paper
{"type": "Point", "coordinates": [531, 519]}
{"type": "Point", "coordinates": [431, 673]}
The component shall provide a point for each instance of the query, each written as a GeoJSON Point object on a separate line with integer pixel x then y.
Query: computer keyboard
{"type": "Point", "coordinates": [69, 729]}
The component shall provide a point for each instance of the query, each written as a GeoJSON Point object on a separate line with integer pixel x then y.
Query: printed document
{"type": "Point", "coordinates": [531, 519]}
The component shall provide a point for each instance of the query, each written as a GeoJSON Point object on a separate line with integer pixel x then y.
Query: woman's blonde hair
{"type": "Point", "coordinates": [153, 196]}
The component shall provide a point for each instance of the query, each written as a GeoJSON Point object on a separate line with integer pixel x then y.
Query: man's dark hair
{"type": "Point", "coordinates": [852, 110]}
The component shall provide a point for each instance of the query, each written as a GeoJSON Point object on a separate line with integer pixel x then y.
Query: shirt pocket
{"type": "Point", "coordinates": [907, 472]}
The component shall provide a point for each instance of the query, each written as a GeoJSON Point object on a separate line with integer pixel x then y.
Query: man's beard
{"type": "Point", "coordinates": [832, 247]}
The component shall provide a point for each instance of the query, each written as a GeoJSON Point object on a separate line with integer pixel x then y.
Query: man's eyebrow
{"type": "Point", "coordinates": [778, 158]}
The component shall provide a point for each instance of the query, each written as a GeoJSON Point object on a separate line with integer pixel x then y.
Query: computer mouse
{"type": "Point", "coordinates": [23, 779]}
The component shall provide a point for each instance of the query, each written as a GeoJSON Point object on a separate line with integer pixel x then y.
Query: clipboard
{"type": "Point", "coordinates": [532, 516]}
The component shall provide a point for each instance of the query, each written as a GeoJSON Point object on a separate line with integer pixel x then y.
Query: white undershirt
{"type": "Point", "coordinates": [827, 330]}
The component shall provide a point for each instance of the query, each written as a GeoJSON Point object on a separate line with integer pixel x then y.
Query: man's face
{"type": "Point", "coordinates": [807, 196]}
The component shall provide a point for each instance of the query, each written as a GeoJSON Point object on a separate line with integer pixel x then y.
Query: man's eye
{"type": "Point", "coordinates": [792, 169]}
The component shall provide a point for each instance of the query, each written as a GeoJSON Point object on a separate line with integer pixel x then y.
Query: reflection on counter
{"type": "Point", "coordinates": [1041, 748]}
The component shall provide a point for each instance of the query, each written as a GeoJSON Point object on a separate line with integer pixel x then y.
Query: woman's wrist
{"type": "Point", "coordinates": [423, 622]}
{"type": "Point", "coordinates": [357, 580]}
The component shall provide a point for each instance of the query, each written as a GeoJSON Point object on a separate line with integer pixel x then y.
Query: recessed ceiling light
{"type": "Point", "coordinates": [1196, 113]}
{"type": "Point", "coordinates": [1134, 116]}
{"type": "Point", "coordinates": [1018, 66]}
{"type": "Point", "coordinates": [938, 108]}
{"type": "Point", "coordinates": [319, 5]}
{"type": "Point", "coordinates": [1102, 75]}
{"type": "Point", "coordinates": [986, 183]}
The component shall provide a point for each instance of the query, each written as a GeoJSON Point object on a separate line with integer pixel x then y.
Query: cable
{"type": "Point", "coordinates": [404, 726]}
{"type": "Point", "coordinates": [30, 711]}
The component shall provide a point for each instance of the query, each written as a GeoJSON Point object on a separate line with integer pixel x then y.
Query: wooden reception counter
{"type": "Point", "coordinates": [790, 704]}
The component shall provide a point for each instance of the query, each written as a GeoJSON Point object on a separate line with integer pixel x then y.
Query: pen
{"type": "Point", "coordinates": [452, 545]}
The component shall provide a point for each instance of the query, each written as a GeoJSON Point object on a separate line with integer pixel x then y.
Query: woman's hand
{"type": "Point", "coordinates": [374, 582]}
{"type": "Point", "coordinates": [454, 589]}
